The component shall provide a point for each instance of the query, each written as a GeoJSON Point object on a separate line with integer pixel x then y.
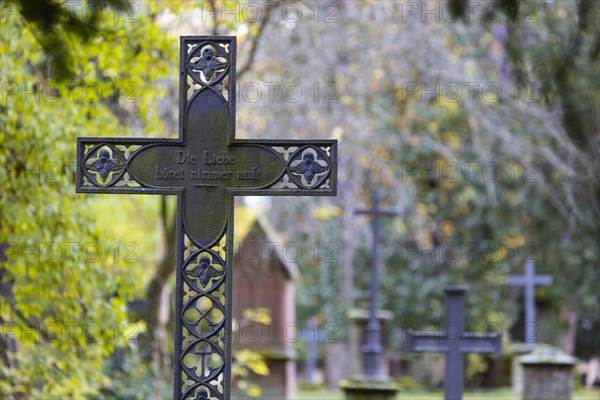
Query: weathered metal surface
{"type": "Point", "coordinates": [529, 281]}
{"type": "Point", "coordinates": [372, 349]}
{"type": "Point", "coordinates": [454, 342]}
{"type": "Point", "coordinates": [205, 167]}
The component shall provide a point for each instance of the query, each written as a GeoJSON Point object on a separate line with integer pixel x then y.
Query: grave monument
{"type": "Point", "coordinates": [205, 167]}
{"type": "Point", "coordinates": [373, 383]}
{"type": "Point", "coordinates": [454, 342]}
{"type": "Point", "coordinates": [528, 281]}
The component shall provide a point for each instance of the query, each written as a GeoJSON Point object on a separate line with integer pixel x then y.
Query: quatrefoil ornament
{"type": "Point", "coordinates": [104, 165]}
{"type": "Point", "coordinates": [208, 63]}
{"type": "Point", "coordinates": [309, 167]}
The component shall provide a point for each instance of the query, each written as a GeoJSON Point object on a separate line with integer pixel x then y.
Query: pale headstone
{"type": "Point", "coordinates": [548, 374]}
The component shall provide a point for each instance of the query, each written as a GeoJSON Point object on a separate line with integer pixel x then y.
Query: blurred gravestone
{"type": "Point", "coordinates": [548, 374]}
{"type": "Point", "coordinates": [373, 381]}
{"type": "Point", "coordinates": [313, 337]}
{"type": "Point", "coordinates": [358, 319]}
{"type": "Point", "coordinates": [454, 342]}
{"type": "Point", "coordinates": [529, 281]}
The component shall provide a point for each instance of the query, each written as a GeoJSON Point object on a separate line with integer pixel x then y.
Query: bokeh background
{"type": "Point", "coordinates": [478, 121]}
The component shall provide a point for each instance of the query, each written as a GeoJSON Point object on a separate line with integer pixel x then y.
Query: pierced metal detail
{"type": "Point", "coordinates": [285, 151]}
{"type": "Point", "coordinates": [205, 167]}
{"type": "Point", "coordinates": [103, 165]}
{"type": "Point", "coordinates": [208, 62]}
{"type": "Point", "coordinates": [308, 167]}
{"type": "Point", "coordinates": [107, 165]}
{"type": "Point", "coordinates": [202, 355]}
{"type": "Point", "coordinates": [285, 183]}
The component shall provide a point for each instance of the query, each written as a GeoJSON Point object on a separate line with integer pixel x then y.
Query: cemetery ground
{"type": "Point", "coordinates": [421, 394]}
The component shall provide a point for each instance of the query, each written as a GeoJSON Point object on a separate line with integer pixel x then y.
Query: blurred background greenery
{"type": "Point", "coordinates": [479, 124]}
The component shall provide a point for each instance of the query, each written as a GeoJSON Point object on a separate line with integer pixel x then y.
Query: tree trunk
{"type": "Point", "coordinates": [8, 343]}
{"type": "Point", "coordinates": [571, 333]}
{"type": "Point", "coordinates": [156, 312]}
{"type": "Point", "coordinates": [337, 364]}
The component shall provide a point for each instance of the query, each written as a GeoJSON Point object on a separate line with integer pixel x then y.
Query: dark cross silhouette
{"type": "Point", "coordinates": [206, 166]}
{"type": "Point", "coordinates": [454, 342]}
{"type": "Point", "coordinates": [372, 350]}
{"type": "Point", "coordinates": [529, 281]}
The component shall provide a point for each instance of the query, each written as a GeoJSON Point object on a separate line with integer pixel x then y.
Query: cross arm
{"type": "Point", "coordinates": [538, 280]}
{"type": "Point", "coordinates": [543, 280]}
{"type": "Point", "coordinates": [515, 280]}
{"type": "Point", "coordinates": [431, 342]}
{"type": "Point", "coordinates": [309, 167]}
{"type": "Point", "coordinates": [391, 212]}
{"type": "Point", "coordinates": [104, 165]}
{"type": "Point", "coordinates": [472, 343]}
{"type": "Point", "coordinates": [426, 342]}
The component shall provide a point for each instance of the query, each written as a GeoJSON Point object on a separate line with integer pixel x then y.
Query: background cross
{"type": "Point", "coordinates": [529, 281]}
{"type": "Point", "coordinates": [312, 338]}
{"type": "Point", "coordinates": [372, 350]}
{"type": "Point", "coordinates": [205, 167]}
{"type": "Point", "coordinates": [454, 342]}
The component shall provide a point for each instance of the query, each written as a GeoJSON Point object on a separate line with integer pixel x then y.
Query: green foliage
{"type": "Point", "coordinates": [246, 362]}
{"type": "Point", "coordinates": [547, 195]}
{"type": "Point", "coordinates": [55, 24]}
{"type": "Point", "coordinates": [70, 280]}
{"type": "Point", "coordinates": [435, 155]}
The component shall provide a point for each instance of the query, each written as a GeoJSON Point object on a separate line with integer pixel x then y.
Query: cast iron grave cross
{"type": "Point", "coordinates": [454, 342]}
{"type": "Point", "coordinates": [372, 350]}
{"type": "Point", "coordinates": [530, 280]}
{"type": "Point", "coordinates": [205, 167]}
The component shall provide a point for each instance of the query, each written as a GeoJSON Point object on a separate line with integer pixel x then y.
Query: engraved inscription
{"type": "Point", "coordinates": [169, 173]}
{"type": "Point", "coordinates": [218, 159]}
{"type": "Point", "coordinates": [208, 166]}
{"type": "Point", "coordinates": [186, 158]}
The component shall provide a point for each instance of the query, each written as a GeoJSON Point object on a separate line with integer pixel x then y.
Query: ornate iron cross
{"type": "Point", "coordinates": [205, 167]}
{"type": "Point", "coordinates": [529, 281]}
{"type": "Point", "coordinates": [454, 342]}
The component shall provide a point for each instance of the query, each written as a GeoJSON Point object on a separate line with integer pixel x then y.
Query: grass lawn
{"type": "Point", "coordinates": [500, 394]}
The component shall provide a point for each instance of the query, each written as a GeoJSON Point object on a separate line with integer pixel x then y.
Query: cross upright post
{"type": "Point", "coordinates": [312, 339]}
{"type": "Point", "coordinates": [311, 360]}
{"type": "Point", "coordinates": [529, 281]}
{"type": "Point", "coordinates": [454, 342]}
{"type": "Point", "coordinates": [372, 350]}
{"type": "Point", "coordinates": [205, 167]}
